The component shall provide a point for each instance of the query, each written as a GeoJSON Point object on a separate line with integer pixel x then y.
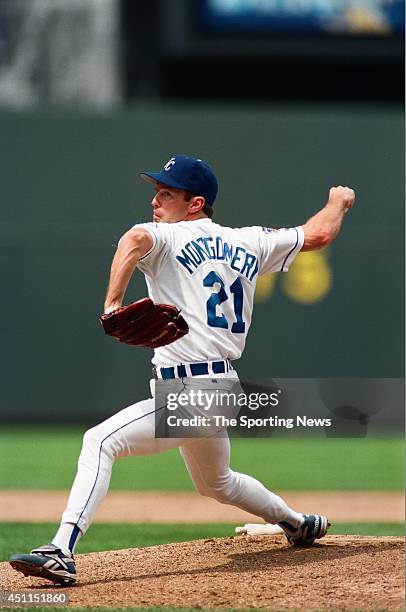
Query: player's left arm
{"type": "Point", "coordinates": [324, 226]}
{"type": "Point", "coordinates": [132, 246]}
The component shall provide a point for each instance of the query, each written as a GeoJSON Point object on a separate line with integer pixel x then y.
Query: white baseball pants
{"type": "Point", "coordinates": [131, 432]}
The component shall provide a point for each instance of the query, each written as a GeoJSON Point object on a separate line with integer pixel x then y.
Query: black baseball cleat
{"type": "Point", "coordinates": [46, 562]}
{"type": "Point", "coordinates": [313, 528]}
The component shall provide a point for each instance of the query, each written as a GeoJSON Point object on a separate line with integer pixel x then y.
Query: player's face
{"type": "Point", "coordinates": [169, 205]}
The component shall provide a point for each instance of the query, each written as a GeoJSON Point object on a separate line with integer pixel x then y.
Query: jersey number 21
{"type": "Point", "coordinates": [214, 320]}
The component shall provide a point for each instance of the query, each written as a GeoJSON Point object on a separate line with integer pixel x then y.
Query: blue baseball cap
{"type": "Point", "coordinates": [183, 172]}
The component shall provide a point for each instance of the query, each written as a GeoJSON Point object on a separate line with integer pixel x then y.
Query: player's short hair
{"type": "Point", "coordinates": [207, 209]}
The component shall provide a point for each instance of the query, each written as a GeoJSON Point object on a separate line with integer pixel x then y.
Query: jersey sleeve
{"type": "Point", "coordinates": [278, 248]}
{"type": "Point", "coordinates": [162, 239]}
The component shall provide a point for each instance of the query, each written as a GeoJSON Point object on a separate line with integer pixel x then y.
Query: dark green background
{"type": "Point", "coordinates": [70, 189]}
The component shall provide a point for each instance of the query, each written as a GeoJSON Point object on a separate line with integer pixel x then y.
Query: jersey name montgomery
{"type": "Point", "coordinates": [205, 248]}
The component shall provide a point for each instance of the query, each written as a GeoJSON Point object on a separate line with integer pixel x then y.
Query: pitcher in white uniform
{"type": "Point", "coordinates": [208, 271]}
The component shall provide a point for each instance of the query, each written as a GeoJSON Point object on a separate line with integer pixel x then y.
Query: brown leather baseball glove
{"type": "Point", "coordinates": [144, 323]}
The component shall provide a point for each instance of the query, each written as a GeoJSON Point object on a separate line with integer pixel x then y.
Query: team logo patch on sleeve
{"type": "Point", "coordinates": [269, 230]}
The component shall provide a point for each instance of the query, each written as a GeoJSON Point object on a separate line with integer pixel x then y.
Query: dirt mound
{"type": "Point", "coordinates": [339, 572]}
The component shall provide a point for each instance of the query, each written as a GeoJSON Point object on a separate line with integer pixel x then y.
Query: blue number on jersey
{"type": "Point", "coordinates": [213, 320]}
{"type": "Point", "coordinates": [214, 300]}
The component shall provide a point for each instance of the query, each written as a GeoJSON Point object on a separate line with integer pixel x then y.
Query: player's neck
{"type": "Point", "coordinates": [195, 216]}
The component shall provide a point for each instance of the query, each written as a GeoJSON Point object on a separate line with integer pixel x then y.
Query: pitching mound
{"type": "Point", "coordinates": [340, 572]}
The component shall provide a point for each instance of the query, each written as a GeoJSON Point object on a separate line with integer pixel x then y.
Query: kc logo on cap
{"type": "Point", "coordinates": [170, 163]}
{"type": "Point", "coordinates": [185, 172]}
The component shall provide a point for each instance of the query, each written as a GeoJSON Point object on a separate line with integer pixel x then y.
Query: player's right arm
{"type": "Point", "coordinates": [133, 245]}
{"type": "Point", "coordinates": [323, 227]}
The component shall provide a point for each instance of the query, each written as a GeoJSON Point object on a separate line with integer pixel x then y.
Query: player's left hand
{"type": "Point", "coordinates": [343, 196]}
{"type": "Point", "coordinates": [144, 323]}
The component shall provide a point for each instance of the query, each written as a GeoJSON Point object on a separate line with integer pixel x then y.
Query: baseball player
{"type": "Point", "coordinates": [208, 271]}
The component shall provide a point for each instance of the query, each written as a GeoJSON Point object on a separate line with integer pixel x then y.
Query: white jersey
{"type": "Point", "coordinates": [210, 272]}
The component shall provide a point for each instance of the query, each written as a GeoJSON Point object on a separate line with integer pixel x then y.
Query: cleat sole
{"type": "Point", "coordinates": [29, 569]}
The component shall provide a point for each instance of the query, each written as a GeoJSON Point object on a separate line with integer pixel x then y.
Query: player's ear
{"type": "Point", "coordinates": [196, 204]}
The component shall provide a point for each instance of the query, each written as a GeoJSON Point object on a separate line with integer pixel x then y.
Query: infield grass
{"type": "Point", "coordinates": [21, 537]}
{"type": "Point", "coordinates": [46, 458]}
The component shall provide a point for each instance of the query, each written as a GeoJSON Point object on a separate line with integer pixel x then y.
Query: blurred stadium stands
{"type": "Point", "coordinates": [105, 53]}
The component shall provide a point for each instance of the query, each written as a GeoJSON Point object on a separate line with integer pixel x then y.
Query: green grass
{"type": "Point", "coordinates": [21, 537]}
{"type": "Point", "coordinates": [46, 458]}
{"type": "Point", "coordinates": [367, 529]}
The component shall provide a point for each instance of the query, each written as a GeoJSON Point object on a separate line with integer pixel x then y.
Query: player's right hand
{"type": "Point", "coordinates": [344, 196]}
